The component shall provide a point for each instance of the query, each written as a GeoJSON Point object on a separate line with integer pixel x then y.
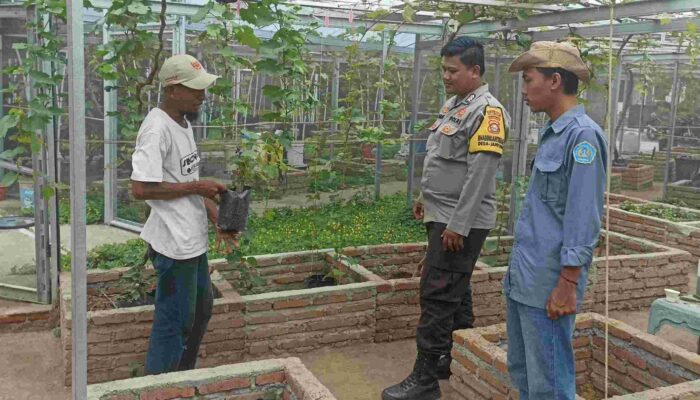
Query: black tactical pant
{"type": "Point", "coordinates": [445, 289]}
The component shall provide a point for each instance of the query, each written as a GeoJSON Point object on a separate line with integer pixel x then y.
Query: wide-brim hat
{"type": "Point", "coordinates": [552, 55]}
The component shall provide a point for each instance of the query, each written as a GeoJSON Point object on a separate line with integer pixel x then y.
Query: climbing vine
{"type": "Point", "coordinates": [34, 81]}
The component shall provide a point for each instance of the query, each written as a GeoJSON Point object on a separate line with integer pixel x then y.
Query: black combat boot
{"type": "Point", "coordinates": [443, 366]}
{"type": "Point", "coordinates": [421, 384]}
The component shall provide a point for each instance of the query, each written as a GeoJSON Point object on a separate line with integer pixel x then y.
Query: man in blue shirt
{"type": "Point", "coordinates": [558, 227]}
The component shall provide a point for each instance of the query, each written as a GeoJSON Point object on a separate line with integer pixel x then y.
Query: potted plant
{"type": "Point", "coordinates": [257, 163]}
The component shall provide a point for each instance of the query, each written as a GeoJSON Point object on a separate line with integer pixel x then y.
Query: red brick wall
{"type": "Point", "coordinates": [639, 363]}
{"type": "Point", "coordinates": [287, 379]}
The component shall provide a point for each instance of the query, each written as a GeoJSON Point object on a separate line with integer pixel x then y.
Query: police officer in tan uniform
{"type": "Point", "coordinates": [458, 206]}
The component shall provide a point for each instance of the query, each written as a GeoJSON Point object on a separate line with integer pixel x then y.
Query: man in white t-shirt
{"type": "Point", "coordinates": [166, 175]}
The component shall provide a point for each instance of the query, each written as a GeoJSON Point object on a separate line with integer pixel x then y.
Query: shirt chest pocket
{"type": "Point", "coordinates": [550, 178]}
{"type": "Point", "coordinates": [451, 144]}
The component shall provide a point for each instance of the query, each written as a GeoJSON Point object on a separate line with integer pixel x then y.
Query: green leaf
{"type": "Point", "coordinates": [270, 171]}
{"type": "Point", "coordinates": [524, 41]}
{"type": "Point", "coordinates": [138, 8]}
{"type": "Point", "coordinates": [269, 66]}
{"type": "Point", "coordinates": [408, 13]}
{"type": "Point", "coordinates": [48, 192]}
{"type": "Point", "coordinates": [522, 15]}
{"type": "Point", "coordinates": [6, 123]}
{"type": "Point", "coordinates": [8, 179]}
{"type": "Point", "coordinates": [202, 12]}
{"type": "Point", "coordinates": [692, 28]}
{"type": "Point", "coordinates": [246, 36]}
{"type": "Point", "coordinates": [665, 20]}
{"type": "Point", "coordinates": [273, 92]}
{"type": "Point", "coordinates": [214, 30]}
{"type": "Point", "coordinates": [271, 116]}
{"type": "Point", "coordinates": [10, 155]}
{"type": "Point", "coordinates": [41, 77]}
{"type": "Point", "coordinates": [378, 13]}
{"type": "Point", "coordinates": [465, 16]}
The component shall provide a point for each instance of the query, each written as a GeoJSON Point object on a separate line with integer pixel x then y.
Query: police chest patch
{"type": "Point", "coordinates": [584, 153]}
{"type": "Point", "coordinates": [448, 129]}
{"type": "Point", "coordinates": [461, 112]}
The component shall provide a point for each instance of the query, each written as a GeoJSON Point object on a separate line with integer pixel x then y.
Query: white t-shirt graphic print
{"type": "Point", "coordinates": [166, 152]}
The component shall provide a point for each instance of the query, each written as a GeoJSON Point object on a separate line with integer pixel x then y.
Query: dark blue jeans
{"type": "Point", "coordinates": [540, 353]}
{"type": "Point", "coordinates": [183, 307]}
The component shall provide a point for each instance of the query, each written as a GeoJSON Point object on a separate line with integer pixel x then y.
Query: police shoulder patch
{"type": "Point", "coordinates": [584, 153]}
{"type": "Point", "coordinates": [491, 134]}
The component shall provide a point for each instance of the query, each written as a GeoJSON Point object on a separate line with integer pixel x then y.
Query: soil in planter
{"type": "Point", "coordinates": [249, 282]}
{"type": "Point", "coordinates": [318, 280]}
{"type": "Point", "coordinates": [615, 250]}
{"type": "Point", "coordinates": [102, 300]}
{"type": "Point", "coordinates": [108, 301]}
{"type": "Point", "coordinates": [394, 271]}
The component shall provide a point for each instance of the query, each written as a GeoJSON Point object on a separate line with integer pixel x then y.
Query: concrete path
{"type": "Point", "coordinates": [17, 246]}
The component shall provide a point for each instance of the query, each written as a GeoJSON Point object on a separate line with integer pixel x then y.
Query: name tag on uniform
{"type": "Point", "coordinates": [491, 135]}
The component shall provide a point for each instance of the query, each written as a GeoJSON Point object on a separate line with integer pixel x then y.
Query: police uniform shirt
{"type": "Point", "coordinates": [458, 187]}
{"type": "Point", "coordinates": [561, 216]}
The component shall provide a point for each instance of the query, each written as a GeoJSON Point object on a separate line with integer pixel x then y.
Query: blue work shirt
{"type": "Point", "coordinates": [561, 216]}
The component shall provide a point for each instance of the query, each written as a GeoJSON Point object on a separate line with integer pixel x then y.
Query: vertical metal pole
{"type": "Point", "coordinates": [380, 109]}
{"type": "Point", "coordinates": [669, 140]}
{"type": "Point", "coordinates": [179, 36]}
{"type": "Point", "coordinates": [641, 114]}
{"type": "Point", "coordinates": [41, 203]}
{"type": "Point", "coordinates": [497, 76]}
{"type": "Point", "coordinates": [335, 90]}
{"type": "Point", "coordinates": [76, 107]}
{"type": "Point", "coordinates": [41, 235]}
{"type": "Point", "coordinates": [51, 229]}
{"type": "Point", "coordinates": [616, 97]}
{"type": "Point", "coordinates": [521, 130]}
{"type": "Point", "coordinates": [54, 227]}
{"type": "Point", "coordinates": [415, 107]}
{"type": "Point", "coordinates": [110, 141]}
{"type": "Point", "coordinates": [2, 101]}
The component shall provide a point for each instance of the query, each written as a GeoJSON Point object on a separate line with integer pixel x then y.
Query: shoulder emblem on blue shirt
{"type": "Point", "coordinates": [584, 153]}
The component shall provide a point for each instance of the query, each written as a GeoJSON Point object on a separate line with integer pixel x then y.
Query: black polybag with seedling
{"type": "Point", "coordinates": [233, 209]}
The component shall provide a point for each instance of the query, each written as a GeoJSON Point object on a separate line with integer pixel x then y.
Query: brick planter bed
{"type": "Point", "coordinates": [636, 176]}
{"type": "Point", "coordinates": [682, 191]}
{"type": "Point", "coordinates": [616, 182]}
{"type": "Point", "coordinates": [374, 309]}
{"type": "Point", "coordinates": [28, 318]}
{"type": "Point", "coordinates": [640, 270]}
{"type": "Point", "coordinates": [242, 327]}
{"type": "Point", "coordinates": [398, 308]}
{"type": "Point", "coordinates": [681, 235]}
{"type": "Point", "coordinates": [641, 366]}
{"type": "Point", "coordinates": [286, 379]}
{"type": "Point", "coordinates": [657, 163]}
